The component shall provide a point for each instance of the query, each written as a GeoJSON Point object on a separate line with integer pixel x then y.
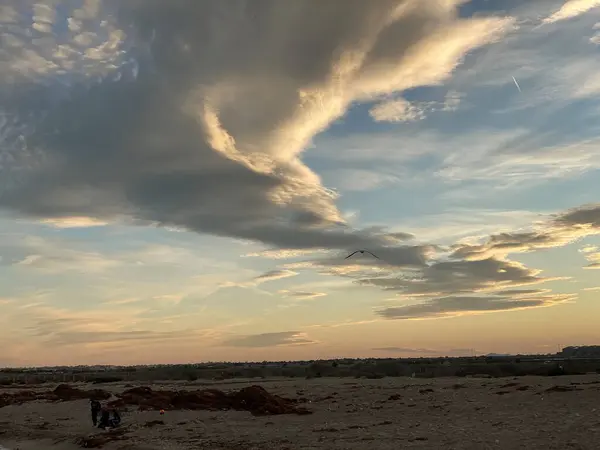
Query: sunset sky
{"type": "Point", "coordinates": [180, 181]}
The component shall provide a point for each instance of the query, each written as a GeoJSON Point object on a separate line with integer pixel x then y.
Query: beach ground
{"type": "Point", "coordinates": [390, 413]}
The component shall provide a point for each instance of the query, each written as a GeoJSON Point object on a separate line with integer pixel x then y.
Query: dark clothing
{"type": "Point", "coordinates": [104, 416]}
{"type": "Point", "coordinates": [116, 420]}
{"type": "Point", "coordinates": [107, 422]}
{"type": "Point", "coordinates": [95, 407]}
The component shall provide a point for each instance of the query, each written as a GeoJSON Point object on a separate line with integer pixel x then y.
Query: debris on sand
{"type": "Point", "coordinates": [563, 389]}
{"type": "Point", "coordinates": [101, 439]}
{"type": "Point", "coordinates": [153, 423]}
{"type": "Point", "coordinates": [254, 399]}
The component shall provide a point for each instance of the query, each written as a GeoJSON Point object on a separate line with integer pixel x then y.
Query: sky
{"type": "Point", "coordinates": [181, 181]}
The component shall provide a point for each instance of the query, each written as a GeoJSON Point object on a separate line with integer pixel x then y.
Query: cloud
{"type": "Point", "coordinates": [302, 295]}
{"type": "Point", "coordinates": [398, 110]}
{"type": "Point", "coordinates": [561, 230]}
{"type": "Point", "coordinates": [468, 277]}
{"type": "Point", "coordinates": [592, 289]}
{"type": "Point", "coordinates": [455, 277]}
{"type": "Point", "coordinates": [74, 222]}
{"type": "Point", "coordinates": [357, 180]}
{"type": "Point", "coordinates": [285, 253]}
{"type": "Point", "coordinates": [274, 275]}
{"type": "Point", "coordinates": [406, 350]}
{"type": "Point", "coordinates": [54, 256]}
{"type": "Point", "coordinates": [42, 326]}
{"type": "Point", "coordinates": [401, 110]}
{"type": "Point", "coordinates": [571, 9]}
{"type": "Point", "coordinates": [426, 351]}
{"type": "Point", "coordinates": [149, 109]}
{"type": "Point", "coordinates": [284, 338]}
{"type": "Point", "coordinates": [131, 337]}
{"type": "Point", "coordinates": [592, 254]}
{"type": "Point", "coordinates": [509, 157]}
{"type": "Point", "coordinates": [595, 39]}
{"type": "Point", "coordinates": [522, 292]}
{"type": "Point", "coordinates": [456, 306]}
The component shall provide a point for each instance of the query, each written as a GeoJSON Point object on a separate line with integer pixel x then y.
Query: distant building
{"type": "Point", "coordinates": [586, 351]}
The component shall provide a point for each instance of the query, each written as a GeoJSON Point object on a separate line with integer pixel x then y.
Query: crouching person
{"type": "Point", "coordinates": [104, 418]}
{"type": "Point", "coordinates": [116, 419]}
{"type": "Point", "coordinates": [106, 421]}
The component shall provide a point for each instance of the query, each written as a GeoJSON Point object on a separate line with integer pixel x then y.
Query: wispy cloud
{"type": "Point", "coordinates": [274, 275]}
{"type": "Point", "coordinates": [399, 109]}
{"type": "Point", "coordinates": [467, 305]}
{"type": "Point", "coordinates": [426, 351]}
{"type": "Point", "coordinates": [561, 230]}
{"type": "Point", "coordinates": [284, 338]}
{"type": "Point", "coordinates": [571, 9]}
{"type": "Point", "coordinates": [285, 253]}
{"type": "Point", "coordinates": [74, 222]}
{"type": "Point", "coordinates": [302, 295]}
{"type": "Point", "coordinates": [592, 254]}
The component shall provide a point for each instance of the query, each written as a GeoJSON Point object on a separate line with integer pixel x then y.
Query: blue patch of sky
{"type": "Point", "coordinates": [564, 261]}
{"type": "Point", "coordinates": [551, 195]}
{"type": "Point", "coordinates": [394, 204]}
{"type": "Point", "coordinates": [475, 7]}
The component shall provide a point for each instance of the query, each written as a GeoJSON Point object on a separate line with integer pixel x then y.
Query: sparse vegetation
{"type": "Point", "coordinates": [344, 368]}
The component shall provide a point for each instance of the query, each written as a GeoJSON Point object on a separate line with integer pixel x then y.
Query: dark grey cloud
{"type": "Point", "coordinates": [456, 305]}
{"type": "Point", "coordinates": [560, 230]}
{"type": "Point", "coordinates": [193, 114]}
{"type": "Point", "coordinates": [586, 216]}
{"type": "Point", "coordinates": [269, 340]}
{"type": "Point", "coordinates": [454, 277]}
{"type": "Point", "coordinates": [446, 280]}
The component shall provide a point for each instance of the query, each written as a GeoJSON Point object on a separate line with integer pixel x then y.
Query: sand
{"type": "Point", "coordinates": [390, 413]}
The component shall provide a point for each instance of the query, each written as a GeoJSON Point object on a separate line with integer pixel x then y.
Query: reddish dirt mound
{"type": "Point", "coordinates": [66, 393]}
{"type": "Point", "coordinates": [18, 398]}
{"type": "Point", "coordinates": [63, 392]}
{"type": "Point", "coordinates": [254, 399]}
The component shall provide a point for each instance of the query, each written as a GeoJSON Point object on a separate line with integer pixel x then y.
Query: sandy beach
{"type": "Point", "coordinates": [390, 413]}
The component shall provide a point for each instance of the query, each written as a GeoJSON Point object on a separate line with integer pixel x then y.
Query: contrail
{"type": "Point", "coordinates": [517, 84]}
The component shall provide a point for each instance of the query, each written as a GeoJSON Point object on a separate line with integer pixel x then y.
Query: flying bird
{"type": "Point", "coordinates": [517, 84]}
{"type": "Point", "coordinates": [361, 252]}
